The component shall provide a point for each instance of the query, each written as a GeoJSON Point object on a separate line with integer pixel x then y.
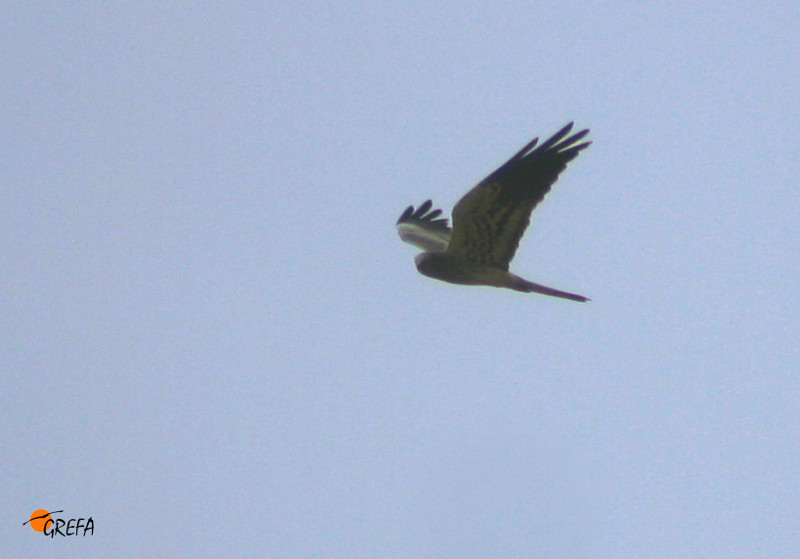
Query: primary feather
{"type": "Point", "coordinates": [424, 229]}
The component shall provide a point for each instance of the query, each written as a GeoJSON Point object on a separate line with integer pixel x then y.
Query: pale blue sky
{"type": "Point", "coordinates": [217, 345]}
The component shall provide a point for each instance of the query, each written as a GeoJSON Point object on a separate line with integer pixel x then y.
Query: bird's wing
{"type": "Point", "coordinates": [424, 228]}
{"type": "Point", "coordinates": [490, 219]}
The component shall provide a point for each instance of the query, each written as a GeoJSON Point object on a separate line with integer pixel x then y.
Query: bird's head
{"type": "Point", "coordinates": [435, 264]}
{"type": "Point", "coordinates": [419, 260]}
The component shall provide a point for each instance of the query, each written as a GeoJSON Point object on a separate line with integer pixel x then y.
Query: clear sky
{"type": "Point", "coordinates": [216, 345]}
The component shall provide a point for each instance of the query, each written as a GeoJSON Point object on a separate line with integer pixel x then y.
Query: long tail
{"type": "Point", "coordinates": [526, 286]}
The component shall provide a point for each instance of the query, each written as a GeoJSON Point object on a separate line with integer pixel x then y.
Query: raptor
{"type": "Point", "coordinates": [489, 221]}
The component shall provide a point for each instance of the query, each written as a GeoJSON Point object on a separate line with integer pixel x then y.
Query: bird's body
{"type": "Point", "coordinates": [489, 221]}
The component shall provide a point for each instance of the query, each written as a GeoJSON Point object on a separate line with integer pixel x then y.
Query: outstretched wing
{"type": "Point", "coordinates": [490, 219]}
{"type": "Point", "coordinates": [424, 228]}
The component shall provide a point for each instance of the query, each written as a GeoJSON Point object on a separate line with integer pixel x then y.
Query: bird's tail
{"type": "Point", "coordinates": [526, 286]}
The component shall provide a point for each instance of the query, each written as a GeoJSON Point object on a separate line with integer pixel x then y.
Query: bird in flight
{"type": "Point", "coordinates": [490, 219]}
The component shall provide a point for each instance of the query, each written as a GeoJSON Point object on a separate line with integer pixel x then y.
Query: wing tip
{"type": "Point", "coordinates": [405, 215]}
{"type": "Point", "coordinates": [424, 214]}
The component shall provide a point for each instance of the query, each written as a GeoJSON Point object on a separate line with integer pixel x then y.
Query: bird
{"type": "Point", "coordinates": [490, 220]}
